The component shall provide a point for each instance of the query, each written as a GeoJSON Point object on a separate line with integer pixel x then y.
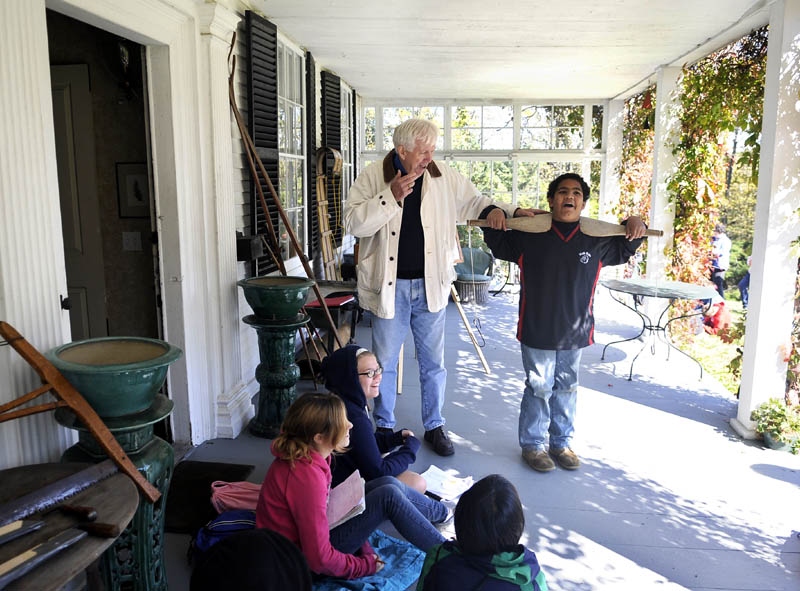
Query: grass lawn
{"type": "Point", "coordinates": [714, 354]}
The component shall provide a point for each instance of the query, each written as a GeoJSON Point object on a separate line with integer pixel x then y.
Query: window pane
{"type": "Point", "coordinates": [435, 114]}
{"type": "Point", "coordinates": [597, 127]}
{"type": "Point", "coordinates": [298, 78]}
{"type": "Point", "coordinates": [298, 130]}
{"type": "Point", "coordinates": [497, 116]}
{"type": "Point", "coordinates": [569, 138]}
{"type": "Point", "coordinates": [595, 166]}
{"type": "Point", "coordinates": [527, 175]}
{"type": "Point", "coordinates": [481, 176]}
{"type": "Point", "coordinates": [504, 197]}
{"type": "Point", "coordinates": [498, 139]}
{"type": "Point", "coordinates": [282, 126]}
{"type": "Point", "coordinates": [281, 66]}
{"type": "Point", "coordinates": [568, 115]}
{"type": "Point", "coordinates": [466, 117]}
{"type": "Point", "coordinates": [283, 182]}
{"type": "Point", "coordinates": [536, 116]}
{"type": "Point", "coordinates": [535, 138]}
{"type": "Point", "coordinates": [466, 139]}
{"type": "Point", "coordinates": [298, 170]}
{"type": "Point", "coordinates": [502, 177]}
{"type": "Point", "coordinates": [369, 129]}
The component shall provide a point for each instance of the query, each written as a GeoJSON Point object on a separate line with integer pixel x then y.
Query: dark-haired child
{"type": "Point", "coordinates": [559, 271]}
{"type": "Point", "coordinates": [486, 554]}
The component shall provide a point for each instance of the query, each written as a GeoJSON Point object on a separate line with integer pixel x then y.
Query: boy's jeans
{"type": "Point", "coordinates": [550, 397]}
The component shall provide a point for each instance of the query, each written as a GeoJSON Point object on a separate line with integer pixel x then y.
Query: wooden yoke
{"type": "Point", "coordinates": [68, 396]}
{"type": "Point", "coordinates": [541, 223]}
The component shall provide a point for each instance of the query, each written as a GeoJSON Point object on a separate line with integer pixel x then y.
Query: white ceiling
{"type": "Point", "coordinates": [484, 49]}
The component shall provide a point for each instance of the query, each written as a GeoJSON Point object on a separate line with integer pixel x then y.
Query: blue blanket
{"type": "Point", "coordinates": [403, 566]}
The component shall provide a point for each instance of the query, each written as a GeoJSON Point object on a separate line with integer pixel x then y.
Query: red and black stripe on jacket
{"type": "Point", "coordinates": [559, 272]}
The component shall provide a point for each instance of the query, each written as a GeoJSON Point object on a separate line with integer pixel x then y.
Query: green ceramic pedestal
{"type": "Point", "coordinates": [277, 373]}
{"type": "Point", "coordinates": [136, 560]}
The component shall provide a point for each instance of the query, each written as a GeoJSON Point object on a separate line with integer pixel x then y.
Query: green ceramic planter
{"type": "Point", "coordinates": [276, 297]}
{"type": "Point", "coordinates": [773, 443]}
{"type": "Point", "coordinates": [117, 376]}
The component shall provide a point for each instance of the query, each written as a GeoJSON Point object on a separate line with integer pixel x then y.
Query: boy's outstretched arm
{"type": "Point", "coordinates": [504, 244]}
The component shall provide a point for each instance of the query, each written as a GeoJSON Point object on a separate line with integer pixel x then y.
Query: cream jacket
{"type": "Point", "coordinates": [372, 214]}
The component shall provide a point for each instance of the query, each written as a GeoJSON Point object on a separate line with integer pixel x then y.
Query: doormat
{"type": "Point", "coordinates": [189, 499]}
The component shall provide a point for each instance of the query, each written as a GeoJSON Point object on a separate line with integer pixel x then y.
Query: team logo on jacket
{"type": "Point", "coordinates": [584, 257]}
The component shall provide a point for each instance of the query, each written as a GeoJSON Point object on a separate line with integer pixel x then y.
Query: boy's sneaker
{"type": "Point", "coordinates": [565, 457]}
{"type": "Point", "coordinates": [538, 460]}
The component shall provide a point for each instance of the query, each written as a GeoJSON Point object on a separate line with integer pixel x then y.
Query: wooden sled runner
{"type": "Point", "coordinates": [67, 396]}
{"type": "Point", "coordinates": [541, 223]}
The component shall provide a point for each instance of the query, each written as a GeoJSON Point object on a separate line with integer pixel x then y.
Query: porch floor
{"type": "Point", "coordinates": [668, 496]}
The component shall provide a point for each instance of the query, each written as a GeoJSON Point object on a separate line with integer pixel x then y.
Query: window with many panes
{"type": "Point", "coordinates": [291, 145]}
{"type": "Point", "coordinates": [510, 151]}
{"type": "Point", "coordinates": [347, 140]}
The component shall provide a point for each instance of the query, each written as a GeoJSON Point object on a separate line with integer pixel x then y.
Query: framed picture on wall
{"type": "Point", "coordinates": [133, 190]}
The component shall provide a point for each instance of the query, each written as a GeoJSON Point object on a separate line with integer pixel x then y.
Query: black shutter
{"type": "Point", "coordinates": [262, 98]}
{"type": "Point", "coordinates": [311, 155]}
{"type": "Point", "coordinates": [332, 138]}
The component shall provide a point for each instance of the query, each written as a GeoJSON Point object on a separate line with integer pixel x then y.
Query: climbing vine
{"type": "Point", "coordinates": [636, 160]}
{"type": "Point", "coordinates": [720, 95]}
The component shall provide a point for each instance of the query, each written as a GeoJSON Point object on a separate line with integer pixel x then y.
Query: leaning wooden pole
{"type": "Point", "coordinates": [249, 145]}
{"type": "Point", "coordinates": [457, 301]}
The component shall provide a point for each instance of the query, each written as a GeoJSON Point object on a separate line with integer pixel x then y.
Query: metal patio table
{"type": "Point", "coordinates": [669, 290]}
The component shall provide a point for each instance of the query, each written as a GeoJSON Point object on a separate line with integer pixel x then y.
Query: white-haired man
{"type": "Point", "coordinates": [404, 211]}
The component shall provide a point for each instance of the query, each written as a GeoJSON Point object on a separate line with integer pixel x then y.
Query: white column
{"type": "Point", "coordinates": [232, 404]}
{"type": "Point", "coordinates": [662, 213]}
{"type": "Point", "coordinates": [612, 143]}
{"type": "Point", "coordinates": [774, 267]}
{"type": "Point", "coordinates": [32, 272]}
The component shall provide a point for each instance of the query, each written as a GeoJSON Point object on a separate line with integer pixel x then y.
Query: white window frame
{"type": "Point", "coordinates": [585, 156]}
{"type": "Point", "coordinates": [294, 264]}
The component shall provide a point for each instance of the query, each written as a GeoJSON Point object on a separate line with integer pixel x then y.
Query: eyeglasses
{"type": "Point", "coordinates": [371, 373]}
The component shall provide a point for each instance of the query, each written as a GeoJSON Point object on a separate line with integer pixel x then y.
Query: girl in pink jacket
{"type": "Point", "coordinates": [294, 496]}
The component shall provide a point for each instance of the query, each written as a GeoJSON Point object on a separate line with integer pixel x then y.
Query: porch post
{"type": "Point", "coordinates": [32, 271]}
{"type": "Point", "coordinates": [232, 405]}
{"type": "Point", "coordinates": [612, 143]}
{"type": "Point", "coordinates": [662, 212]}
{"type": "Point", "coordinates": [774, 267]}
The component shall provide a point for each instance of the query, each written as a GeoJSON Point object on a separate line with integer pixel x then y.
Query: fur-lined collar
{"type": "Point", "coordinates": [389, 170]}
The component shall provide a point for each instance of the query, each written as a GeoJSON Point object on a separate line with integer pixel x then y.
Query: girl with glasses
{"type": "Point", "coordinates": [354, 374]}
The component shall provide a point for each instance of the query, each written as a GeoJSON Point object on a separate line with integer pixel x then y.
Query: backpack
{"type": "Point", "coordinates": [219, 528]}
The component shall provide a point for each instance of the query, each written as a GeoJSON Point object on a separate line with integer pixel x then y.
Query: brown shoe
{"type": "Point", "coordinates": [565, 457]}
{"type": "Point", "coordinates": [538, 460]}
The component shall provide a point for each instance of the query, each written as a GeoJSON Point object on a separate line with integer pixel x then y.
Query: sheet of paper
{"type": "Point", "coordinates": [346, 500]}
{"type": "Point", "coordinates": [447, 486]}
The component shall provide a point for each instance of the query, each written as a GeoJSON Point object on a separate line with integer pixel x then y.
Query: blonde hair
{"type": "Point", "coordinates": [409, 131]}
{"type": "Point", "coordinates": [310, 414]}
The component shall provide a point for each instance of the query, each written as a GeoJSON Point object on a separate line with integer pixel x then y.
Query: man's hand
{"type": "Point", "coordinates": [379, 564]}
{"type": "Point", "coordinates": [521, 212]}
{"type": "Point", "coordinates": [634, 228]}
{"type": "Point", "coordinates": [407, 433]}
{"type": "Point", "coordinates": [402, 185]}
{"type": "Point", "coordinates": [497, 219]}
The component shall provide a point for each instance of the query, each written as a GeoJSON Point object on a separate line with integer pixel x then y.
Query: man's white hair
{"type": "Point", "coordinates": [409, 131]}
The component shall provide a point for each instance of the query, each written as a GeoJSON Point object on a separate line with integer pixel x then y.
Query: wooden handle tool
{"type": "Point", "coordinates": [541, 223]}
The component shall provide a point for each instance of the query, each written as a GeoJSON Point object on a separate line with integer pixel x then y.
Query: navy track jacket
{"type": "Point", "coordinates": [559, 271]}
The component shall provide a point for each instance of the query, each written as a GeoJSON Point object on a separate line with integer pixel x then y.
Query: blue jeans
{"type": "Point", "coordinates": [550, 397]}
{"type": "Point", "coordinates": [388, 335]}
{"type": "Point", "coordinates": [388, 498]}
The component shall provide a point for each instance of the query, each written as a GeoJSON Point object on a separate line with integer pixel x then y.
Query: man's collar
{"type": "Point", "coordinates": [399, 165]}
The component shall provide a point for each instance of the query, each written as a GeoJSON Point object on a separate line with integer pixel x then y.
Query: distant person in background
{"type": "Point", "coordinates": [717, 318]}
{"type": "Point", "coordinates": [720, 258]}
{"type": "Point", "coordinates": [744, 284]}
